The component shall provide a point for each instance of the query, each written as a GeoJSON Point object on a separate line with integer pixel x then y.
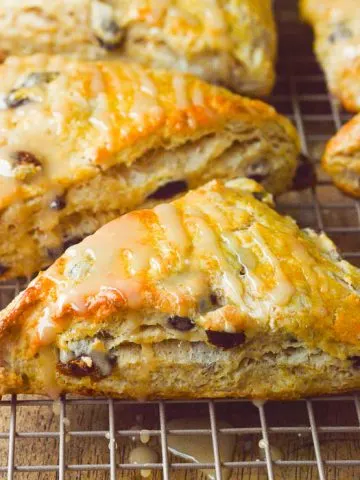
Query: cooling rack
{"type": "Point", "coordinates": [316, 438]}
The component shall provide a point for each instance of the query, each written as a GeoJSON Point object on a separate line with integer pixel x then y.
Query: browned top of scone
{"type": "Point", "coordinates": [220, 241]}
{"type": "Point", "coordinates": [76, 118]}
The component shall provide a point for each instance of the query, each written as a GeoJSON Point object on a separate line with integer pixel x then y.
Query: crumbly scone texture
{"type": "Point", "coordinates": [336, 26]}
{"type": "Point", "coordinates": [231, 43]}
{"type": "Point", "coordinates": [84, 142]}
{"type": "Point", "coordinates": [212, 295]}
{"type": "Point", "coordinates": [341, 158]}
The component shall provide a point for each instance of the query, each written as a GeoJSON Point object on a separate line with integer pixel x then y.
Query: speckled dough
{"type": "Point", "coordinates": [336, 25]}
{"type": "Point", "coordinates": [83, 142]}
{"type": "Point", "coordinates": [341, 159]}
{"type": "Point", "coordinates": [232, 43]}
{"type": "Point", "coordinates": [212, 295]}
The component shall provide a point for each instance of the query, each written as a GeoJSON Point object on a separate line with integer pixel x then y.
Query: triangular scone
{"type": "Point", "coordinates": [212, 295]}
{"type": "Point", "coordinates": [232, 44]}
{"type": "Point", "coordinates": [341, 159]}
{"type": "Point", "coordinates": [82, 143]}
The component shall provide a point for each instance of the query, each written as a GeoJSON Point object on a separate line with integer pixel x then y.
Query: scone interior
{"type": "Point", "coordinates": [82, 143]}
{"type": "Point", "coordinates": [232, 44]}
{"type": "Point", "coordinates": [212, 295]}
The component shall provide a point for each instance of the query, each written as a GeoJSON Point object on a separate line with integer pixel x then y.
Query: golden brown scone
{"type": "Point", "coordinates": [232, 43]}
{"type": "Point", "coordinates": [212, 295]}
{"type": "Point", "coordinates": [81, 143]}
{"type": "Point", "coordinates": [336, 26]}
{"type": "Point", "coordinates": [341, 159]}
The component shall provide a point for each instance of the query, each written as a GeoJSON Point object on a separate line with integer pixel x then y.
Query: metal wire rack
{"type": "Point", "coordinates": [309, 439]}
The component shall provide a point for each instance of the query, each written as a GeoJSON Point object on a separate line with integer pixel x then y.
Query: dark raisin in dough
{"type": "Point", "coordinates": [259, 195]}
{"type": "Point", "coordinates": [225, 340]}
{"type": "Point", "coordinates": [26, 158]}
{"type": "Point", "coordinates": [58, 203]}
{"type": "Point", "coordinates": [16, 98]}
{"type": "Point", "coordinates": [169, 190]}
{"type": "Point", "coordinates": [355, 361]}
{"type": "Point", "coordinates": [77, 368]}
{"type": "Point", "coordinates": [305, 175]}
{"type": "Point", "coordinates": [112, 37]}
{"type": "Point", "coordinates": [3, 269]}
{"type": "Point", "coordinates": [183, 324]}
{"type": "Point", "coordinates": [69, 242]}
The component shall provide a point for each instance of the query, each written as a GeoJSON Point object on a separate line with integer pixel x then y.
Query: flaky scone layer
{"type": "Point", "coordinates": [336, 26]}
{"type": "Point", "coordinates": [341, 159]}
{"type": "Point", "coordinates": [232, 43]}
{"type": "Point", "coordinates": [214, 294]}
{"type": "Point", "coordinates": [82, 142]}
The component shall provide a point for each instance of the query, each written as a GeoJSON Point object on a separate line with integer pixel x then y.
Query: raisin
{"type": "Point", "coordinates": [3, 269]}
{"type": "Point", "coordinates": [169, 190]}
{"type": "Point", "coordinates": [225, 340]}
{"type": "Point", "coordinates": [181, 323]}
{"type": "Point", "coordinates": [242, 270]}
{"type": "Point", "coordinates": [258, 170]}
{"type": "Point", "coordinates": [69, 242]}
{"type": "Point", "coordinates": [54, 253]}
{"type": "Point", "coordinates": [111, 35]}
{"type": "Point", "coordinates": [25, 158]}
{"type": "Point", "coordinates": [305, 176]}
{"type": "Point", "coordinates": [77, 368]}
{"type": "Point", "coordinates": [214, 299]}
{"type": "Point", "coordinates": [259, 195]}
{"type": "Point", "coordinates": [17, 97]}
{"type": "Point", "coordinates": [355, 361]}
{"type": "Point", "coordinates": [58, 203]}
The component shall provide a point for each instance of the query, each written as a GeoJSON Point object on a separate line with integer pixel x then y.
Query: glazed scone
{"type": "Point", "coordinates": [336, 26]}
{"type": "Point", "coordinates": [212, 295]}
{"type": "Point", "coordinates": [341, 159]}
{"type": "Point", "coordinates": [83, 142]}
{"type": "Point", "coordinates": [232, 43]}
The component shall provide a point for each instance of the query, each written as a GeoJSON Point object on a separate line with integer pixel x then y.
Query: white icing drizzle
{"type": "Point", "coordinates": [197, 96]}
{"type": "Point", "coordinates": [170, 220]}
{"type": "Point", "coordinates": [199, 448]}
{"type": "Point", "coordinates": [124, 239]}
{"type": "Point", "coordinates": [46, 328]}
{"type": "Point", "coordinates": [144, 104]}
{"type": "Point", "coordinates": [283, 290]}
{"type": "Point", "coordinates": [181, 97]}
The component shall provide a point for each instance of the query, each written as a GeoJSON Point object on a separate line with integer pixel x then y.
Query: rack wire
{"type": "Point", "coordinates": [316, 438]}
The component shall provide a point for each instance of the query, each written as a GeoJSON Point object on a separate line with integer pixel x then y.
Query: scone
{"type": "Point", "coordinates": [336, 26]}
{"type": "Point", "coordinates": [341, 159]}
{"type": "Point", "coordinates": [83, 142]}
{"type": "Point", "coordinates": [232, 44]}
{"type": "Point", "coordinates": [212, 295]}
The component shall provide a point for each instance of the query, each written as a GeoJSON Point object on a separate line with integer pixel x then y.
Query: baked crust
{"type": "Point", "coordinates": [336, 26]}
{"type": "Point", "coordinates": [83, 142]}
{"type": "Point", "coordinates": [233, 44]}
{"type": "Point", "coordinates": [341, 159]}
{"type": "Point", "coordinates": [214, 294]}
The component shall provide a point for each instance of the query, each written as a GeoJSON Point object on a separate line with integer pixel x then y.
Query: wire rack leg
{"type": "Point", "coordinates": [215, 440]}
{"type": "Point", "coordinates": [61, 475]}
{"type": "Point", "coordinates": [12, 434]}
{"type": "Point", "coordinates": [315, 438]}
{"type": "Point", "coordinates": [112, 443]}
{"type": "Point", "coordinates": [163, 435]}
{"type": "Point", "coordinates": [266, 442]}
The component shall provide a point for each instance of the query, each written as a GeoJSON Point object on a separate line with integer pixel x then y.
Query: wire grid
{"type": "Point", "coordinates": [301, 94]}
